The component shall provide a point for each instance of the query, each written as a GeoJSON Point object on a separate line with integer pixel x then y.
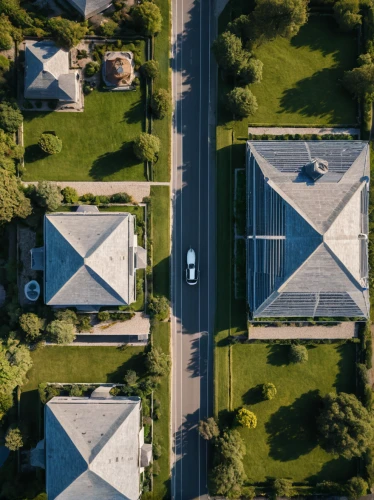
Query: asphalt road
{"type": "Point", "coordinates": [193, 225]}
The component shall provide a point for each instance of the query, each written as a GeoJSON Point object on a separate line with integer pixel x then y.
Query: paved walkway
{"type": "Point", "coordinates": [138, 325]}
{"type": "Point", "coordinates": [138, 190]}
{"type": "Point", "coordinates": [345, 330]}
{"type": "Point", "coordinates": [302, 131]}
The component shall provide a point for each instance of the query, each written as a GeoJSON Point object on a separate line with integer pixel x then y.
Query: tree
{"type": "Point", "coordinates": [274, 18]}
{"type": "Point", "coordinates": [67, 33]}
{"type": "Point", "coordinates": [229, 474]}
{"type": "Point", "coordinates": [246, 418]}
{"type": "Point", "coordinates": [150, 69]}
{"type": "Point", "coordinates": [242, 27]}
{"type": "Point", "coordinates": [91, 68]}
{"type": "Point", "coordinates": [13, 202]}
{"type": "Point", "coordinates": [208, 429]}
{"type": "Point", "coordinates": [269, 391]}
{"type": "Point", "coordinates": [241, 102]}
{"type": "Point", "coordinates": [67, 315]}
{"type": "Point", "coordinates": [48, 195]}
{"type": "Point", "coordinates": [231, 446]}
{"type": "Point", "coordinates": [50, 143]}
{"type": "Point", "coordinates": [6, 403]}
{"type": "Point", "coordinates": [62, 332]}
{"type": "Point", "coordinates": [6, 41]}
{"type": "Point", "coordinates": [229, 53]}
{"type": "Point", "coordinates": [158, 362]}
{"type": "Point", "coordinates": [298, 353]}
{"type": "Point", "coordinates": [146, 147]}
{"type": "Point", "coordinates": [249, 492]}
{"type": "Point", "coordinates": [147, 17]}
{"type": "Point", "coordinates": [360, 81]}
{"type": "Point", "coordinates": [10, 116]}
{"type": "Point", "coordinates": [15, 362]}
{"type": "Point", "coordinates": [13, 439]}
{"type": "Point", "coordinates": [160, 103]}
{"type": "Point", "coordinates": [70, 195]}
{"type": "Point", "coordinates": [131, 378]}
{"type": "Point", "coordinates": [345, 425]}
{"type": "Point", "coordinates": [356, 487]}
{"type": "Point", "coordinates": [159, 307]}
{"type": "Point", "coordinates": [346, 13]}
{"type": "Point", "coordinates": [251, 72]}
{"type": "Point", "coordinates": [282, 488]}
{"type": "Point", "coordinates": [32, 325]}
{"type": "Point", "coordinates": [9, 147]}
{"type": "Point", "coordinates": [108, 28]}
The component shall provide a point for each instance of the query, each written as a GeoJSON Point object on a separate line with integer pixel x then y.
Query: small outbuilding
{"type": "Point", "coordinates": [118, 69]}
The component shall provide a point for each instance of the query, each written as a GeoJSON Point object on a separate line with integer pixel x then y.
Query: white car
{"type": "Point", "coordinates": [192, 273]}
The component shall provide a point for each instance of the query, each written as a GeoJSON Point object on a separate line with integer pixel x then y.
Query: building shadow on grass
{"type": "Point", "coordinates": [278, 355]}
{"type": "Point", "coordinates": [292, 429]}
{"type": "Point", "coordinates": [321, 94]}
{"type": "Point", "coordinates": [346, 376]}
{"type": "Point", "coordinates": [253, 395]}
{"type": "Point", "coordinates": [111, 163]}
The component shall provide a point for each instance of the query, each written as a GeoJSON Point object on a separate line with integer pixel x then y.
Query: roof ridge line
{"type": "Point", "coordinates": [93, 274]}
{"type": "Point", "coordinates": [343, 202]}
{"type": "Point", "coordinates": [342, 265]}
{"type": "Point", "coordinates": [109, 231]}
{"type": "Point", "coordinates": [283, 285]}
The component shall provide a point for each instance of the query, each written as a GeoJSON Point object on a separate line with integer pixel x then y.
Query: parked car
{"type": "Point", "coordinates": [192, 273]}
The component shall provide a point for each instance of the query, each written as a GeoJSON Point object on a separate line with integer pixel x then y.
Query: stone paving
{"type": "Point", "coordinates": [345, 330]}
{"type": "Point", "coordinates": [302, 131]}
{"type": "Point", "coordinates": [138, 190]}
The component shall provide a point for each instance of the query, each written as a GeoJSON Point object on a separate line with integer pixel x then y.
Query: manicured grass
{"type": "Point", "coordinates": [284, 443]}
{"type": "Point", "coordinates": [160, 196]}
{"type": "Point", "coordinates": [74, 364]}
{"type": "Point", "coordinates": [97, 143]}
{"type": "Point", "coordinates": [302, 77]}
{"type": "Point", "coordinates": [162, 128]}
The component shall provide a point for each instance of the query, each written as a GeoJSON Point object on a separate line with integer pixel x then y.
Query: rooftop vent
{"type": "Point", "coordinates": [316, 168]}
{"type": "Point", "coordinates": [32, 290]}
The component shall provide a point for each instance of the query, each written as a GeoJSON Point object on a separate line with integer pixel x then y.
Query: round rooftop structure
{"type": "Point", "coordinates": [32, 290]}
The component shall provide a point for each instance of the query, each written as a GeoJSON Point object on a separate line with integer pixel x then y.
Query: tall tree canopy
{"type": "Point", "coordinates": [274, 18]}
{"type": "Point", "coordinates": [147, 17]}
{"type": "Point", "coordinates": [345, 425]}
{"type": "Point", "coordinates": [360, 81]}
{"type": "Point", "coordinates": [13, 202]}
{"type": "Point", "coordinates": [15, 362]}
{"type": "Point", "coordinates": [229, 53]}
{"type": "Point", "coordinates": [67, 33]}
{"type": "Point", "coordinates": [346, 13]}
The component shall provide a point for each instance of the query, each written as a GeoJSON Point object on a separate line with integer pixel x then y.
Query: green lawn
{"type": "Point", "coordinates": [284, 443]}
{"type": "Point", "coordinates": [160, 196]}
{"type": "Point", "coordinates": [302, 77]}
{"type": "Point", "coordinates": [97, 144]}
{"type": "Point", "coordinates": [74, 364]}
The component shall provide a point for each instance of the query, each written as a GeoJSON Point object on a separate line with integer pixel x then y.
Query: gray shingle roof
{"type": "Point", "coordinates": [89, 259]}
{"type": "Point", "coordinates": [89, 8]}
{"type": "Point", "coordinates": [47, 74]}
{"type": "Point", "coordinates": [92, 448]}
{"type": "Point", "coordinates": [304, 254]}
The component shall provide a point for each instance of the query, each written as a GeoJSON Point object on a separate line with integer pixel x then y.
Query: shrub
{"type": "Point", "coordinates": [62, 332]}
{"type": "Point", "coordinates": [104, 316]}
{"type": "Point", "coordinates": [356, 488]}
{"type": "Point", "coordinates": [4, 63]}
{"type": "Point", "coordinates": [87, 89]}
{"type": "Point", "coordinates": [67, 315]}
{"type": "Point", "coordinates": [160, 103]}
{"type": "Point", "coordinates": [282, 488]}
{"type": "Point", "coordinates": [70, 195]}
{"type": "Point", "coordinates": [248, 492]}
{"type": "Point", "coordinates": [229, 53]}
{"type": "Point", "coordinates": [10, 116]}
{"type": "Point", "coordinates": [13, 439]}
{"type": "Point", "coordinates": [108, 28]}
{"type": "Point", "coordinates": [269, 391]}
{"type": "Point", "coordinates": [121, 198]}
{"type": "Point", "coordinates": [31, 324]}
{"type": "Point", "coordinates": [91, 68]}
{"type": "Point", "coordinates": [158, 362]}
{"type": "Point", "coordinates": [251, 72]}
{"type": "Point", "coordinates": [75, 391]}
{"type": "Point", "coordinates": [159, 307]}
{"type": "Point", "coordinates": [48, 195]}
{"type": "Point", "coordinates": [146, 146]}
{"type": "Point", "coordinates": [241, 102]}
{"type": "Point", "coordinates": [84, 323]}
{"type": "Point", "coordinates": [346, 13]}
{"type": "Point", "coordinates": [147, 17]}
{"type": "Point", "coordinates": [131, 378]}
{"type": "Point", "coordinates": [156, 469]}
{"type": "Point", "coordinates": [88, 197]}
{"type": "Point", "coordinates": [208, 429]}
{"type": "Point", "coordinates": [6, 41]}
{"type": "Point", "coordinates": [298, 354]}
{"type": "Point", "coordinates": [50, 143]}
{"type": "Point", "coordinates": [246, 418]}
{"type": "Point", "coordinates": [150, 69]}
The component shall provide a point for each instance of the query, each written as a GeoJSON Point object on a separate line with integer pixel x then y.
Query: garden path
{"type": "Point", "coordinates": [303, 130]}
{"type": "Point", "coordinates": [345, 330]}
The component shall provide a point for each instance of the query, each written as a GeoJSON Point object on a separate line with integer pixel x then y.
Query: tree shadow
{"type": "Point", "coordinates": [136, 363]}
{"type": "Point", "coordinates": [253, 395]}
{"type": "Point", "coordinates": [346, 376]}
{"type": "Point", "coordinates": [278, 355]}
{"type": "Point", "coordinates": [135, 114]}
{"type": "Point", "coordinates": [110, 163]}
{"type": "Point", "coordinates": [34, 153]}
{"type": "Point", "coordinates": [226, 418]}
{"type": "Point", "coordinates": [321, 94]}
{"type": "Point", "coordinates": [292, 429]}
{"type": "Point", "coordinates": [336, 470]}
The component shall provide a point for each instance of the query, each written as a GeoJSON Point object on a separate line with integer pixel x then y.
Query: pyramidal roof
{"type": "Point", "coordinates": [47, 74]}
{"type": "Point", "coordinates": [92, 448]}
{"type": "Point", "coordinates": [306, 238]}
{"type": "Point", "coordinates": [89, 259]}
{"type": "Point", "coordinates": [88, 8]}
